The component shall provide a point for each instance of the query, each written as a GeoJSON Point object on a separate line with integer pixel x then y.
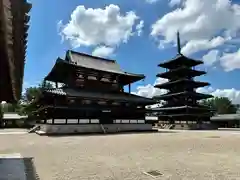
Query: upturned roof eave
{"type": "Point", "coordinates": [131, 77]}
{"type": "Point", "coordinates": [172, 83]}
{"type": "Point", "coordinates": [120, 96]}
{"type": "Point", "coordinates": [180, 57]}
{"type": "Point", "coordinates": [181, 108]}
{"type": "Point", "coordinates": [184, 93]}
{"type": "Point", "coordinates": [188, 71]}
{"type": "Point", "coordinates": [186, 114]}
{"type": "Point", "coordinates": [14, 50]}
{"type": "Point", "coordinates": [109, 61]}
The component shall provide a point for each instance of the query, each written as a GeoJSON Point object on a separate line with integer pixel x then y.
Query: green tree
{"type": "Point", "coordinates": [25, 106]}
{"type": "Point", "coordinates": [30, 95]}
{"type": "Point", "coordinates": [33, 92]}
{"type": "Point", "coordinates": [221, 105]}
{"type": "Point", "coordinates": [16, 108]}
{"type": "Point", "coordinates": [8, 107]}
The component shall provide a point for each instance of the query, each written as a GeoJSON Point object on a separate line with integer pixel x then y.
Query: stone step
{"type": "Point", "coordinates": [34, 129]}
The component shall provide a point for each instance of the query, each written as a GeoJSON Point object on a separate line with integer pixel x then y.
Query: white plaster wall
{"type": "Point", "coordinates": [59, 121]}
{"type": "Point", "coordinates": [93, 128]}
{"type": "Point", "coordinates": [72, 121]}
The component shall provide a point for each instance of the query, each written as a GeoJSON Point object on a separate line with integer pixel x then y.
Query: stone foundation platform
{"type": "Point", "coordinates": [194, 127]}
{"type": "Point", "coordinates": [55, 129]}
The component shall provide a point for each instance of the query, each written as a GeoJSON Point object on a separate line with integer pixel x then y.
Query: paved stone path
{"type": "Point", "coordinates": [13, 131]}
{"type": "Point", "coordinates": [9, 133]}
{"type": "Point", "coordinates": [182, 155]}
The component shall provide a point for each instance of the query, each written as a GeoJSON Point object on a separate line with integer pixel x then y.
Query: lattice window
{"type": "Point", "coordinates": [71, 101]}
{"type": "Point", "coordinates": [102, 102]}
{"type": "Point", "coordinates": [116, 103]}
{"type": "Point", "coordinates": [92, 78]}
{"type": "Point", "coordinates": [80, 76]}
{"type": "Point", "coordinates": [105, 79]}
{"type": "Point", "coordinates": [79, 82]}
{"type": "Point", "coordinates": [86, 101]}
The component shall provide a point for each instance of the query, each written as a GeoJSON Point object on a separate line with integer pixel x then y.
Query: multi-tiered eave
{"type": "Point", "coordinates": [90, 86]}
{"type": "Point", "coordinates": [182, 98]}
{"type": "Point", "coordinates": [197, 96]}
{"type": "Point", "coordinates": [182, 82]}
{"type": "Point", "coordinates": [179, 61]}
{"type": "Point", "coordinates": [181, 72]}
{"type": "Point", "coordinates": [63, 67]}
{"type": "Point", "coordinates": [14, 20]}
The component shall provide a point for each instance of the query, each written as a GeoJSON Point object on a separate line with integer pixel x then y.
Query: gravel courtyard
{"type": "Point", "coordinates": [177, 155]}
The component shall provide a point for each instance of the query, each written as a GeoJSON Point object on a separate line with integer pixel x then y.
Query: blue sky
{"type": "Point", "coordinates": [142, 53]}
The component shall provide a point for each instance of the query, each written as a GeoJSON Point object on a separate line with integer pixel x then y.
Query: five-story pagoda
{"type": "Point", "coordinates": [182, 100]}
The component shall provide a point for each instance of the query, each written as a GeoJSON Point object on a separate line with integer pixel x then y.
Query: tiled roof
{"type": "Point", "coordinates": [184, 93]}
{"type": "Point", "coordinates": [56, 91]}
{"type": "Point", "coordinates": [97, 63]}
{"type": "Point", "coordinates": [189, 82]}
{"type": "Point", "coordinates": [180, 59]}
{"type": "Point", "coordinates": [64, 67]}
{"type": "Point", "coordinates": [120, 96]}
{"type": "Point", "coordinates": [179, 107]}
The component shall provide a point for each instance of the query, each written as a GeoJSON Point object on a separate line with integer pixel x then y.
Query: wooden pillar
{"type": "Point", "coordinates": [129, 88]}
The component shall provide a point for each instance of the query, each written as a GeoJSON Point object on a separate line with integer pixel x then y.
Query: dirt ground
{"type": "Point", "coordinates": [185, 155]}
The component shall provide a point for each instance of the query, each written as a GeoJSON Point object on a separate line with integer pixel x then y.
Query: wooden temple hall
{"type": "Point", "coordinates": [181, 107]}
{"type": "Point", "coordinates": [89, 97]}
{"type": "Point", "coordinates": [13, 27]}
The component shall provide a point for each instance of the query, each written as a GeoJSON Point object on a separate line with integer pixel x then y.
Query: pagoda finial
{"type": "Point", "coordinates": [178, 43]}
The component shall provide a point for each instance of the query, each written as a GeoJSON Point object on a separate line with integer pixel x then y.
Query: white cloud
{"type": "Point", "coordinates": [98, 27]}
{"type": "Point", "coordinates": [230, 61]}
{"type": "Point", "coordinates": [103, 51]}
{"type": "Point", "coordinates": [193, 46]}
{"type": "Point", "coordinates": [174, 2]}
{"type": "Point", "coordinates": [202, 24]}
{"type": "Point", "coordinates": [233, 94]}
{"type": "Point", "coordinates": [151, 1]}
{"type": "Point", "coordinates": [211, 57]}
{"type": "Point", "coordinates": [150, 91]}
{"type": "Point", "coordinates": [206, 90]}
{"type": "Point", "coordinates": [139, 28]}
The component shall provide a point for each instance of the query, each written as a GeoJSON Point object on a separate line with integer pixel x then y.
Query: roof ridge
{"type": "Point", "coordinates": [88, 55]}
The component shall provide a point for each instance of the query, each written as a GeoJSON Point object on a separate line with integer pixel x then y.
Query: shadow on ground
{"type": "Point", "coordinates": [30, 169]}
{"type": "Point", "coordinates": [12, 168]}
{"type": "Point", "coordinates": [109, 134]}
